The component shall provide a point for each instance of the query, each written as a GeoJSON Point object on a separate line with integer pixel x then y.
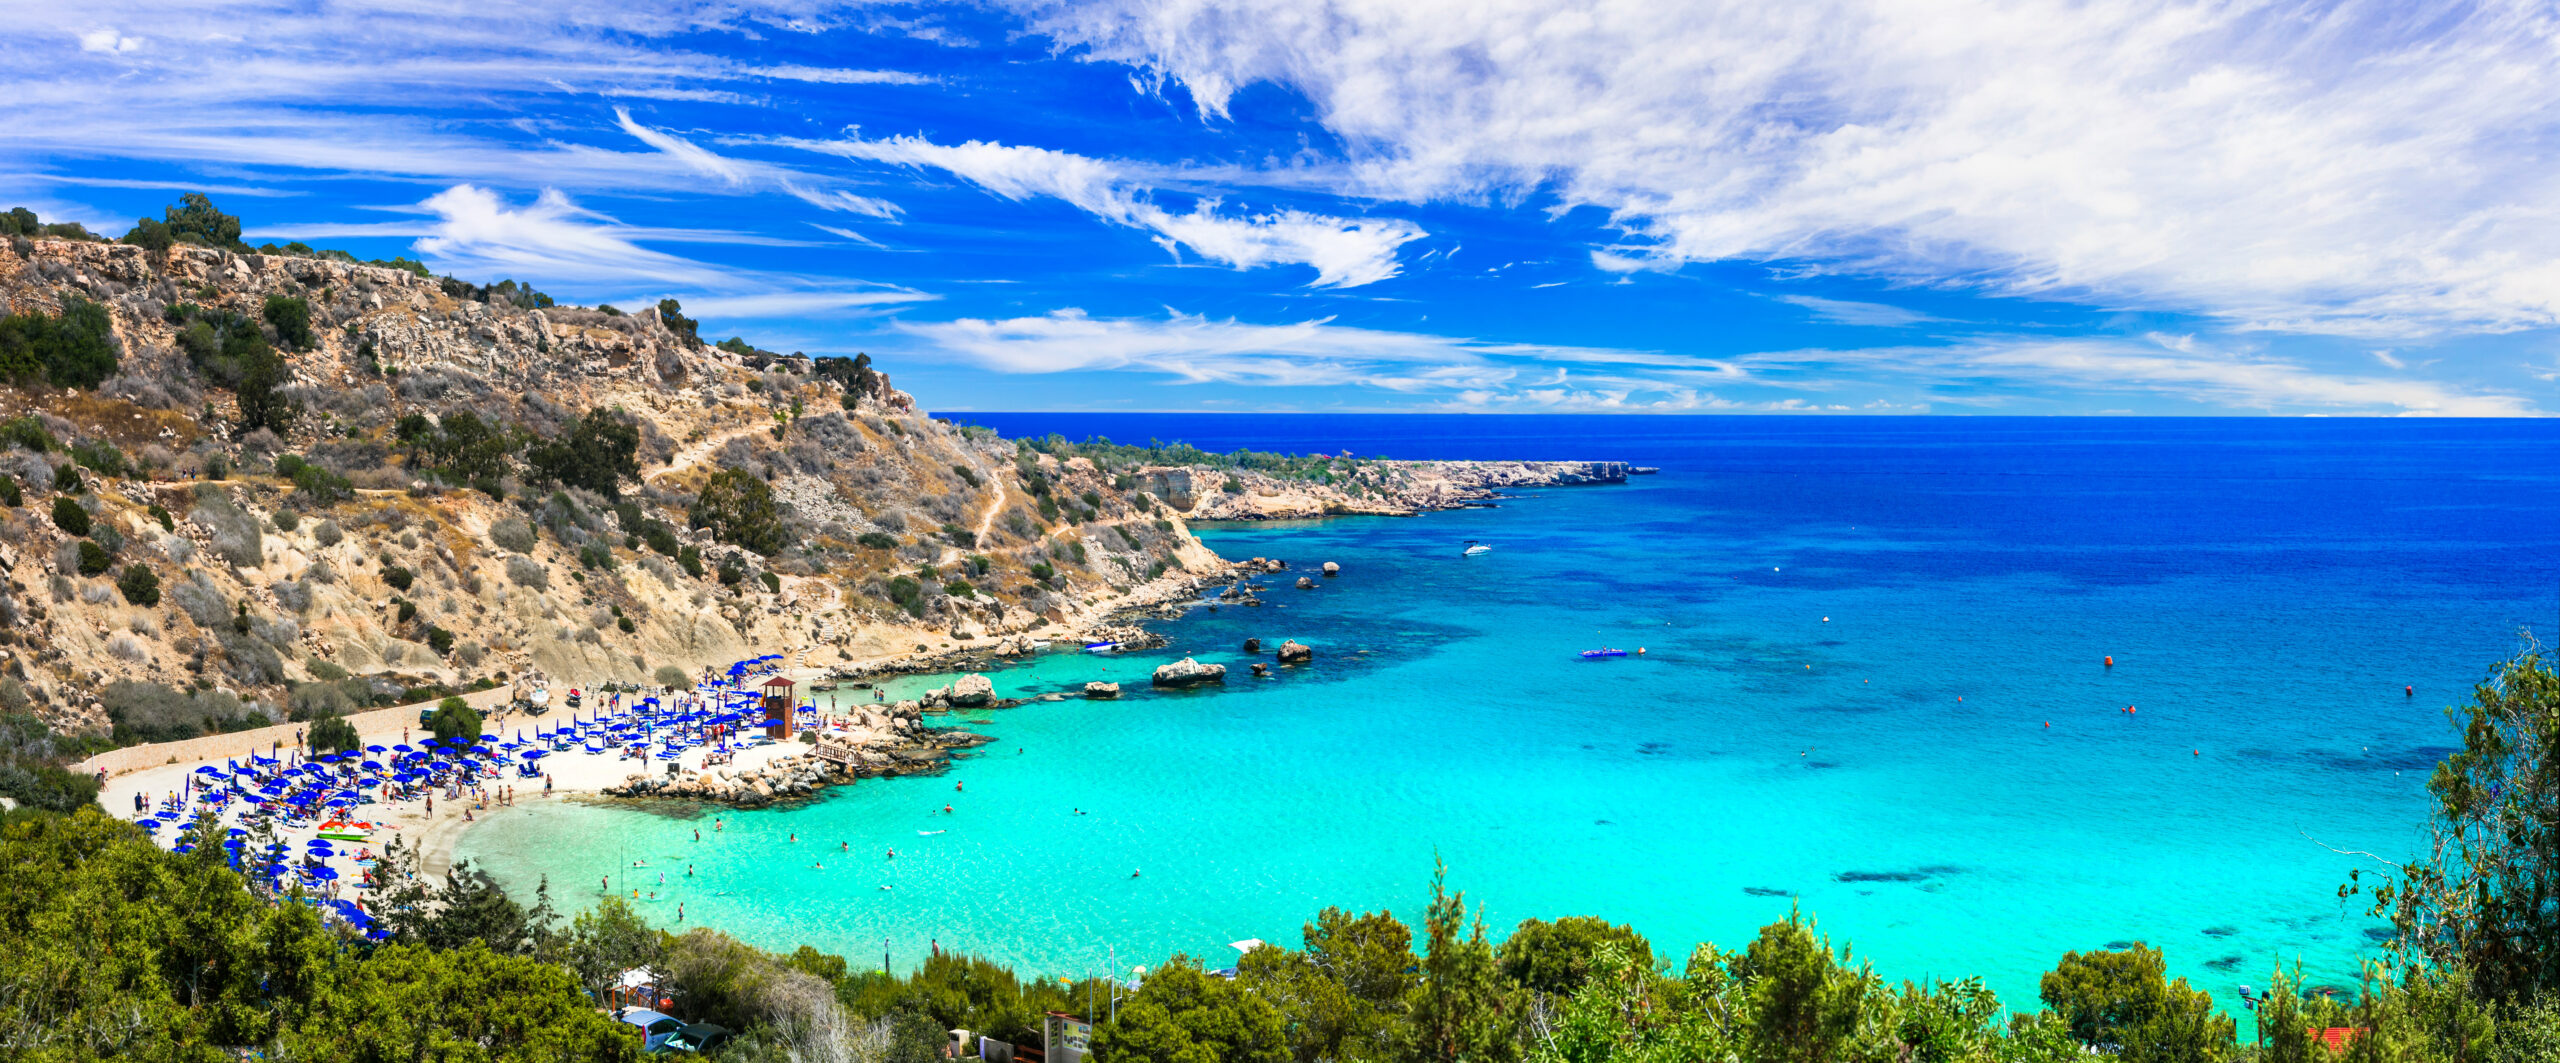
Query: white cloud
{"type": "Point", "coordinates": [2357, 167]}
{"type": "Point", "coordinates": [695, 157]}
{"type": "Point", "coordinates": [473, 231]}
{"type": "Point", "coordinates": [1481, 374]}
{"type": "Point", "coordinates": [2173, 367]}
{"type": "Point", "coordinates": [108, 41]}
{"type": "Point", "coordinates": [1198, 349]}
{"type": "Point", "coordinates": [833, 76]}
{"type": "Point", "coordinates": [1845, 312]}
{"type": "Point", "coordinates": [841, 200]}
{"type": "Point", "coordinates": [1344, 252]}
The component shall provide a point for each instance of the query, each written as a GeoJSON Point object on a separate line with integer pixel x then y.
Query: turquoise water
{"type": "Point", "coordinates": [1857, 633]}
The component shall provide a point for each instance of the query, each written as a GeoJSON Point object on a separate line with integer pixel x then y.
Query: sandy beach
{"type": "Point", "coordinates": [431, 834]}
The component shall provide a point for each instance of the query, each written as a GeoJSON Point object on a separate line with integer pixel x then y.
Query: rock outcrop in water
{"type": "Point", "coordinates": [1187, 672]}
{"type": "Point", "coordinates": [1295, 652]}
{"type": "Point", "coordinates": [1100, 691]}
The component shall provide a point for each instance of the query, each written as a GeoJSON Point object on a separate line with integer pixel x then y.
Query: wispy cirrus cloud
{"type": "Point", "coordinates": [1846, 312]}
{"type": "Point", "coordinates": [2358, 167]}
{"type": "Point", "coordinates": [1197, 349]}
{"type": "Point", "coordinates": [1475, 373]}
{"type": "Point", "coordinates": [474, 231]}
{"type": "Point", "coordinates": [1344, 252]}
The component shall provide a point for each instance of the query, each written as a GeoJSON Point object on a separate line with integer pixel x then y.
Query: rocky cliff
{"type": "Point", "coordinates": [305, 485]}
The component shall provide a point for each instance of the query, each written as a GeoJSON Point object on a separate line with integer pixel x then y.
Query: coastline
{"type": "Point", "coordinates": [163, 768]}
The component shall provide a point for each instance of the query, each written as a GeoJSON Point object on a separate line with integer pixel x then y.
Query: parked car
{"type": "Point", "coordinates": [655, 1026]}
{"type": "Point", "coordinates": [699, 1037]}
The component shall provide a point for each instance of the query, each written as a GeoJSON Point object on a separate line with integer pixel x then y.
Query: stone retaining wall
{"type": "Point", "coordinates": [373, 726]}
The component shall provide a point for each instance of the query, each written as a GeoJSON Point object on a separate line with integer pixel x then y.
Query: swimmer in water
{"type": "Point", "coordinates": [1133, 874]}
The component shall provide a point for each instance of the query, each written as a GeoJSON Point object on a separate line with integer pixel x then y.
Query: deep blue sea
{"type": "Point", "coordinates": [1873, 688]}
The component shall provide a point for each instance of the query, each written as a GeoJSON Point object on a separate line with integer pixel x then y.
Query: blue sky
{"type": "Point", "coordinates": [1951, 208]}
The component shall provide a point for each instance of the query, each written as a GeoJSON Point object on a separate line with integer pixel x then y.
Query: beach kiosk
{"type": "Point", "coordinates": [777, 709]}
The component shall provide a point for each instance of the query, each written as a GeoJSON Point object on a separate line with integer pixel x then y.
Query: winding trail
{"type": "Point", "coordinates": [696, 453]}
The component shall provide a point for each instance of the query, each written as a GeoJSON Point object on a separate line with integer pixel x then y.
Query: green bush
{"type": "Point", "coordinates": [732, 570]}
{"type": "Point", "coordinates": [454, 718]}
{"type": "Point", "coordinates": [68, 516]}
{"type": "Point", "coordinates": [27, 432]}
{"type": "Point", "coordinates": [334, 735]}
{"type": "Point", "coordinates": [94, 559]}
{"type": "Point", "coordinates": [403, 610]}
{"type": "Point", "coordinates": [690, 559]}
{"type": "Point", "coordinates": [598, 453]}
{"type": "Point", "coordinates": [870, 540]}
{"type": "Point", "coordinates": [149, 235]}
{"type": "Point", "coordinates": [960, 588]}
{"type": "Point", "coordinates": [102, 457]}
{"type": "Point", "coordinates": [625, 624]}
{"type": "Point", "coordinates": [772, 583]}
{"type": "Point", "coordinates": [398, 577]}
{"type": "Point", "coordinates": [660, 538]}
{"type": "Point", "coordinates": [161, 514]}
{"type": "Point", "coordinates": [140, 585]}
{"type": "Point", "coordinates": [75, 349]}
{"type": "Point", "coordinates": [321, 486]}
{"type": "Point", "coordinates": [66, 479]}
{"type": "Point", "coordinates": [291, 316]}
{"type": "Point", "coordinates": [10, 494]}
{"type": "Point", "coordinates": [440, 640]}
{"type": "Point", "coordinates": [739, 509]}
{"type": "Point", "coordinates": [287, 520]}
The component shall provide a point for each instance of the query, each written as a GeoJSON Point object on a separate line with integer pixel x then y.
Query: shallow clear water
{"type": "Point", "coordinates": [1857, 634]}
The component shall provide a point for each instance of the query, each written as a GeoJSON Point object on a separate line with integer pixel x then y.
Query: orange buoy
{"type": "Point", "coordinates": [2410, 691]}
{"type": "Point", "coordinates": [2048, 725]}
{"type": "Point", "coordinates": [2111, 660]}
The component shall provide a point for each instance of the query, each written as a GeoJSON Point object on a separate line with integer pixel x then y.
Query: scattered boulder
{"type": "Point", "coordinates": [1331, 569]}
{"type": "Point", "coordinates": [1102, 691]}
{"type": "Point", "coordinates": [1294, 651]}
{"type": "Point", "coordinates": [1260, 668]}
{"type": "Point", "coordinates": [972, 691]}
{"type": "Point", "coordinates": [1253, 645]}
{"type": "Point", "coordinates": [1306, 583]}
{"type": "Point", "coordinates": [1188, 672]}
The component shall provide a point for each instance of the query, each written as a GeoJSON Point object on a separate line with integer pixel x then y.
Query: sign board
{"type": "Point", "coordinates": [1068, 1038]}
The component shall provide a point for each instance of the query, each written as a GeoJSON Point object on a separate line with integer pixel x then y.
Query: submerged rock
{"type": "Point", "coordinates": [1188, 672]}
{"type": "Point", "coordinates": [1253, 645]}
{"type": "Point", "coordinates": [1293, 651]}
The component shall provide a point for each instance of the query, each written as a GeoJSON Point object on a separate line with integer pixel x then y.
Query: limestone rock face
{"type": "Point", "coordinates": [1102, 691]}
{"type": "Point", "coordinates": [1294, 651]}
{"type": "Point", "coordinates": [1187, 672]}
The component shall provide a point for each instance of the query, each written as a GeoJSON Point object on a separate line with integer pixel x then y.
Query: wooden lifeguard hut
{"type": "Point", "coordinates": [777, 708]}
